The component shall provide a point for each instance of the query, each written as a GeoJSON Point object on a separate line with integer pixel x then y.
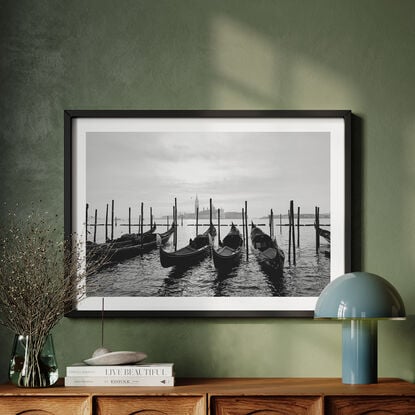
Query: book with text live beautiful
{"type": "Point", "coordinates": [147, 370]}
{"type": "Point", "coordinates": [119, 381]}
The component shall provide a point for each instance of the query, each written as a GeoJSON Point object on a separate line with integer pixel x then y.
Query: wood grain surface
{"type": "Point", "coordinates": [243, 396]}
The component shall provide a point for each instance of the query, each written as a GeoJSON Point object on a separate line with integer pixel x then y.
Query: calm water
{"type": "Point", "coordinates": [144, 276]}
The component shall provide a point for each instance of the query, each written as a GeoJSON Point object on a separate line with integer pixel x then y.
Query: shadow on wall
{"type": "Point", "coordinates": [220, 54]}
{"type": "Point", "coordinates": [309, 62]}
{"type": "Point", "coordinates": [259, 66]}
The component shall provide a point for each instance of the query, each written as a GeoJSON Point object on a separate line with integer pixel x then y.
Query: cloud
{"type": "Point", "coordinates": [267, 169]}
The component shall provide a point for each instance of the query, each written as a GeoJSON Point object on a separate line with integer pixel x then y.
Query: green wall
{"type": "Point", "coordinates": [223, 54]}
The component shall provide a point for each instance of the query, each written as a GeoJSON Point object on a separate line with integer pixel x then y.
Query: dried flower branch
{"type": "Point", "coordinates": [41, 276]}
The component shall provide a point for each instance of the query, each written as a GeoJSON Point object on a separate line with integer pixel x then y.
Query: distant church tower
{"type": "Point", "coordinates": [196, 205]}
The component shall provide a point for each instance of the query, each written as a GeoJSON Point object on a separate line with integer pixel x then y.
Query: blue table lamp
{"type": "Point", "coordinates": [359, 299]}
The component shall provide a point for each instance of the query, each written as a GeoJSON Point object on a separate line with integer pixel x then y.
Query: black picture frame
{"type": "Point", "coordinates": [337, 123]}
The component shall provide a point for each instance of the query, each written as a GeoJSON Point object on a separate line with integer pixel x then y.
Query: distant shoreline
{"type": "Point", "coordinates": [226, 215]}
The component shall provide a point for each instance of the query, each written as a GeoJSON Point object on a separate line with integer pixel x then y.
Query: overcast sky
{"type": "Point", "coordinates": [266, 169]}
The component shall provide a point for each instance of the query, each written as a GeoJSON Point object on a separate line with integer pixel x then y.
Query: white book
{"type": "Point", "coordinates": [119, 381]}
{"type": "Point", "coordinates": [151, 369]}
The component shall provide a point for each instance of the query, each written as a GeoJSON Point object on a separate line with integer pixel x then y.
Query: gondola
{"type": "Point", "coordinates": [228, 255]}
{"type": "Point", "coordinates": [118, 253]}
{"type": "Point", "coordinates": [191, 254]}
{"type": "Point", "coordinates": [323, 232]}
{"type": "Point", "coordinates": [269, 256]}
{"type": "Point", "coordinates": [135, 238]}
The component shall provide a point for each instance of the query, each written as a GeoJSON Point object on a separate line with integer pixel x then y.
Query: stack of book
{"type": "Point", "coordinates": [152, 374]}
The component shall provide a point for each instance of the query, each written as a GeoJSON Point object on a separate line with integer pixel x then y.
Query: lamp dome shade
{"type": "Point", "coordinates": [359, 295]}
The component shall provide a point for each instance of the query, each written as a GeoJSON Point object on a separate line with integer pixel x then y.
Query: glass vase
{"type": "Point", "coordinates": [33, 362]}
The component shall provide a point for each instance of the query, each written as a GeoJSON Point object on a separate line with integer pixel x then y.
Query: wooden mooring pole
{"type": "Point", "coordinates": [174, 228]}
{"type": "Point", "coordinates": [141, 227]}
{"type": "Point", "coordinates": [293, 230]}
{"type": "Point", "coordinates": [289, 237]}
{"type": "Point", "coordinates": [95, 225]}
{"type": "Point", "coordinates": [197, 221]}
{"type": "Point", "coordinates": [86, 221]}
{"type": "Point", "coordinates": [298, 226]}
{"type": "Point", "coordinates": [243, 225]}
{"type": "Point", "coordinates": [106, 224]}
{"type": "Point", "coordinates": [317, 226]}
{"type": "Point", "coordinates": [142, 221]}
{"type": "Point", "coordinates": [219, 242]}
{"type": "Point", "coordinates": [112, 220]}
{"type": "Point", "coordinates": [129, 220]}
{"type": "Point", "coordinates": [175, 223]}
{"type": "Point", "coordinates": [246, 230]}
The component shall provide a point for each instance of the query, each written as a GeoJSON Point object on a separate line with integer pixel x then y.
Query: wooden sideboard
{"type": "Point", "coordinates": [265, 396]}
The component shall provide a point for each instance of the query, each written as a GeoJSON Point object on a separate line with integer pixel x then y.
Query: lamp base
{"type": "Point", "coordinates": [360, 351]}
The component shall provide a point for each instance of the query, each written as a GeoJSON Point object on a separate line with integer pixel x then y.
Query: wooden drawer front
{"type": "Point", "coordinates": [273, 405]}
{"type": "Point", "coordinates": [369, 405]}
{"type": "Point", "coordinates": [44, 405]}
{"type": "Point", "coordinates": [146, 405]}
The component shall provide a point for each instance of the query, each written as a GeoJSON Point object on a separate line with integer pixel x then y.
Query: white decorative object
{"type": "Point", "coordinates": [103, 356]}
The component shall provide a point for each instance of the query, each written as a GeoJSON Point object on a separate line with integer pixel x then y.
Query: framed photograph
{"type": "Point", "coordinates": [208, 213]}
